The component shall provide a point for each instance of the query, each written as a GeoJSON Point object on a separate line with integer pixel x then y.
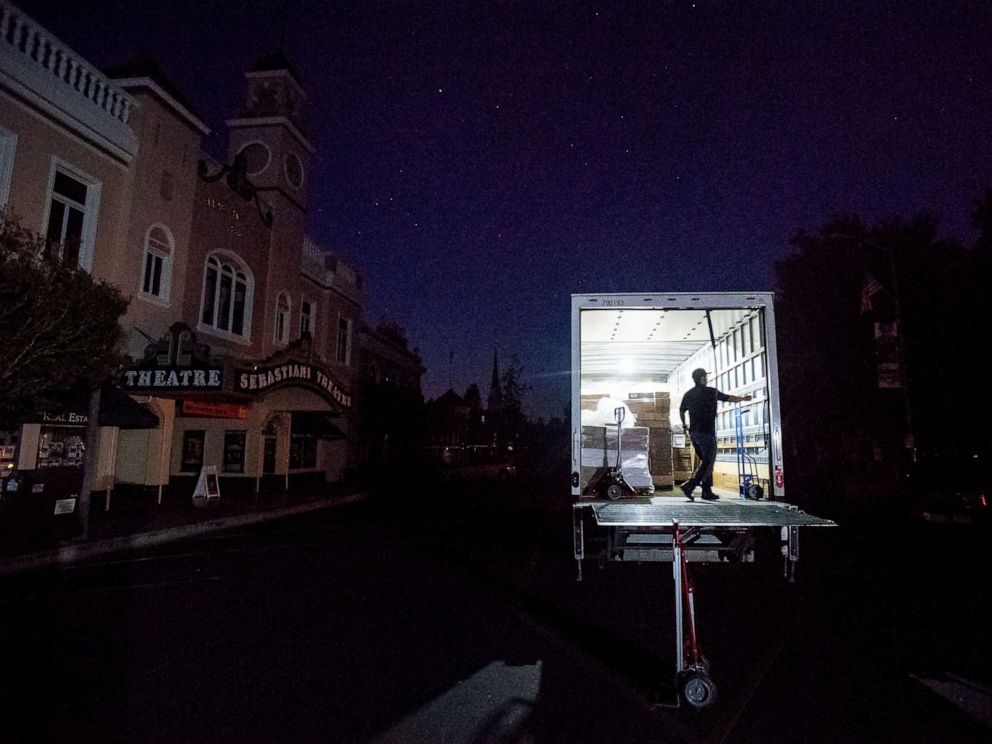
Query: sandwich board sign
{"type": "Point", "coordinates": [207, 486]}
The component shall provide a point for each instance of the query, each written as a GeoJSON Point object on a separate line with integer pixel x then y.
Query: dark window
{"type": "Point", "coordinates": [234, 451]}
{"type": "Point", "coordinates": [70, 188]}
{"type": "Point", "coordinates": [209, 293]}
{"type": "Point", "coordinates": [302, 451]}
{"type": "Point", "coordinates": [238, 321]}
{"type": "Point", "coordinates": [282, 318]}
{"type": "Point", "coordinates": [306, 317]}
{"type": "Point", "coordinates": [192, 450]}
{"type": "Point", "coordinates": [226, 282]}
{"type": "Point", "coordinates": [153, 274]}
{"type": "Point", "coordinates": [226, 297]}
{"type": "Point", "coordinates": [269, 455]}
{"type": "Point", "coordinates": [65, 217]}
{"type": "Point", "coordinates": [158, 263]}
{"type": "Point", "coordinates": [344, 340]}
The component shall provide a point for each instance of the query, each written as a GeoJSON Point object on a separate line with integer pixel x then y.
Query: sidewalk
{"type": "Point", "coordinates": [132, 526]}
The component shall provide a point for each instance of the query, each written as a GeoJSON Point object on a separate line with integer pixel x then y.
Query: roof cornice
{"type": "Point", "coordinates": [150, 84]}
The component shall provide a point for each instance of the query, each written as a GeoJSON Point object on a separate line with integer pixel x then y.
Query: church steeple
{"type": "Point", "coordinates": [495, 399]}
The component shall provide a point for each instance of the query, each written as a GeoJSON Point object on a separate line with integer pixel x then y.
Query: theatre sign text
{"type": "Point", "coordinates": [262, 379]}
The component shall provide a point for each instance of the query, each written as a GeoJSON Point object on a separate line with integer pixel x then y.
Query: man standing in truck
{"type": "Point", "coordinates": [701, 402]}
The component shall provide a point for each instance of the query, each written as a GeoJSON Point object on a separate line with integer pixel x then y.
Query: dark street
{"type": "Point", "coordinates": [458, 618]}
{"type": "Point", "coordinates": [332, 333]}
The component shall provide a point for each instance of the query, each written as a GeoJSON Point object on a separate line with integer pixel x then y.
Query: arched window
{"type": "Point", "coordinates": [227, 296]}
{"type": "Point", "coordinates": [282, 318]}
{"type": "Point", "coordinates": [156, 272]}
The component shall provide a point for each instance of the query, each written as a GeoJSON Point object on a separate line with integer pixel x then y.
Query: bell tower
{"type": "Point", "coordinates": [270, 131]}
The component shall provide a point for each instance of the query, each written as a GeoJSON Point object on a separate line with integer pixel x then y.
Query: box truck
{"type": "Point", "coordinates": [636, 352]}
{"type": "Point", "coordinates": [632, 361]}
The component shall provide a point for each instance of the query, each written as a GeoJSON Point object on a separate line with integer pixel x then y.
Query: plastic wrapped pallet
{"type": "Point", "coordinates": [599, 450]}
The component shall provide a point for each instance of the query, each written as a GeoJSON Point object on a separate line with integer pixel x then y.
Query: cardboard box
{"type": "Point", "coordinates": [588, 402]}
{"type": "Point", "coordinates": [660, 453]}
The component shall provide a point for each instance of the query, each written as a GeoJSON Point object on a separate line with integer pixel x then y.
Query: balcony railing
{"type": "Point", "coordinates": [328, 270]}
{"type": "Point", "coordinates": [52, 71]}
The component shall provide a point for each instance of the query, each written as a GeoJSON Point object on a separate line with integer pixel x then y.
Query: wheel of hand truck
{"type": "Point", "coordinates": [614, 491]}
{"type": "Point", "coordinates": [755, 492]}
{"type": "Point", "coordinates": [698, 690]}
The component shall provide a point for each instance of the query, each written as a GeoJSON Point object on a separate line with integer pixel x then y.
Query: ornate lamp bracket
{"type": "Point", "coordinates": [237, 180]}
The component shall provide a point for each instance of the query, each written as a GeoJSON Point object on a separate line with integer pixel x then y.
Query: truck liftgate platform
{"type": "Point", "coordinates": [663, 529]}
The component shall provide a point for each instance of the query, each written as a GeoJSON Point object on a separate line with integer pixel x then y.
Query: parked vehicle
{"type": "Point", "coordinates": [633, 358]}
{"type": "Point", "coordinates": [638, 351]}
{"type": "Point", "coordinates": [949, 489]}
{"type": "Point", "coordinates": [474, 463]}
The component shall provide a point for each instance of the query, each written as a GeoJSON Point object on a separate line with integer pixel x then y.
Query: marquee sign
{"type": "Point", "coordinates": [173, 379]}
{"type": "Point", "coordinates": [262, 379]}
{"type": "Point", "coordinates": [174, 363]}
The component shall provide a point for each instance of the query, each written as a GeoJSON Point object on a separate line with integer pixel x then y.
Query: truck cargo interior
{"type": "Point", "coordinates": [641, 360]}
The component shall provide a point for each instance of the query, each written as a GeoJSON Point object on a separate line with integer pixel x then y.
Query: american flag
{"type": "Point", "coordinates": [868, 290]}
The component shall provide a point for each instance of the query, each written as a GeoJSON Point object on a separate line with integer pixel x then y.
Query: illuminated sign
{"type": "Point", "coordinates": [64, 419]}
{"type": "Point", "coordinates": [177, 361]}
{"type": "Point", "coordinates": [173, 379]}
{"type": "Point", "coordinates": [261, 379]}
{"type": "Point", "coordinates": [214, 410]}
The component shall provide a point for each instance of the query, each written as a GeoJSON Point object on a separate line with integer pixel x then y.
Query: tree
{"type": "Point", "coordinates": [832, 291]}
{"type": "Point", "coordinates": [57, 326]}
{"type": "Point", "coordinates": [473, 397]}
{"type": "Point", "coordinates": [981, 220]}
{"type": "Point", "coordinates": [513, 390]}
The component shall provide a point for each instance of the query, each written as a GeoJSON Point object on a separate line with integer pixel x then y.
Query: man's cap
{"type": "Point", "coordinates": [699, 372]}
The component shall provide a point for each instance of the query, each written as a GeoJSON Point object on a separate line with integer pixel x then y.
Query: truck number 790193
{"type": "Point", "coordinates": [612, 303]}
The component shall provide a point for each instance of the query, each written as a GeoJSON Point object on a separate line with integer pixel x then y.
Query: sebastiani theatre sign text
{"type": "Point", "coordinates": [260, 379]}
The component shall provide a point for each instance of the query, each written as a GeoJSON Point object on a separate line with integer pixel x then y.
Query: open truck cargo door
{"type": "Point", "coordinates": [632, 361]}
{"type": "Point", "coordinates": [638, 352]}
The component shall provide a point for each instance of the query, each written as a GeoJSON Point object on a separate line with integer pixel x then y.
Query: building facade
{"type": "Point", "coordinates": [243, 330]}
{"type": "Point", "coordinates": [392, 425]}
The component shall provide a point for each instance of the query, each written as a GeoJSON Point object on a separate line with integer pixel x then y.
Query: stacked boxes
{"type": "Point", "coordinates": [589, 402]}
{"type": "Point", "coordinates": [653, 413]}
{"type": "Point", "coordinates": [683, 463]}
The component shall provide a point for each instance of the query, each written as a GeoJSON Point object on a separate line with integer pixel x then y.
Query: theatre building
{"type": "Point", "coordinates": [242, 329]}
{"type": "Point", "coordinates": [257, 366]}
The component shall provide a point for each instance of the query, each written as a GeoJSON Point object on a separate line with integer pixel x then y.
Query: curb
{"type": "Point", "coordinates": [82, 551]}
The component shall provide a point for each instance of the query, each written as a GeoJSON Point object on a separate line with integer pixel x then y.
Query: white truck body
{"type": "Point", "coordinates": [640, 349]}
{"type": "Point", "coordinates": [633, 354]}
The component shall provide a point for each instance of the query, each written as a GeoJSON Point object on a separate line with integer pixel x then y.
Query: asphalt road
{"type": "Point", "coordinates": [458, 619]}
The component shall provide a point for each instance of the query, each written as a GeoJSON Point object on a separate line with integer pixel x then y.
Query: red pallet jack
{"type": "Point", "coordinates": [693, 681]}
{"type": "Point", "coordinates": [609, 483]}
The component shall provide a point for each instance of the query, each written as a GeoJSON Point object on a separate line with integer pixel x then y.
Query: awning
{"type": "Point", "coordinates": [317, 424]}
{"type": "Point", "coordinates": [121, 410]}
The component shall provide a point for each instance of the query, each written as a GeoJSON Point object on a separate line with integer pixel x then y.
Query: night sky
{"type": "Point", "coordinates": [479, 162]}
